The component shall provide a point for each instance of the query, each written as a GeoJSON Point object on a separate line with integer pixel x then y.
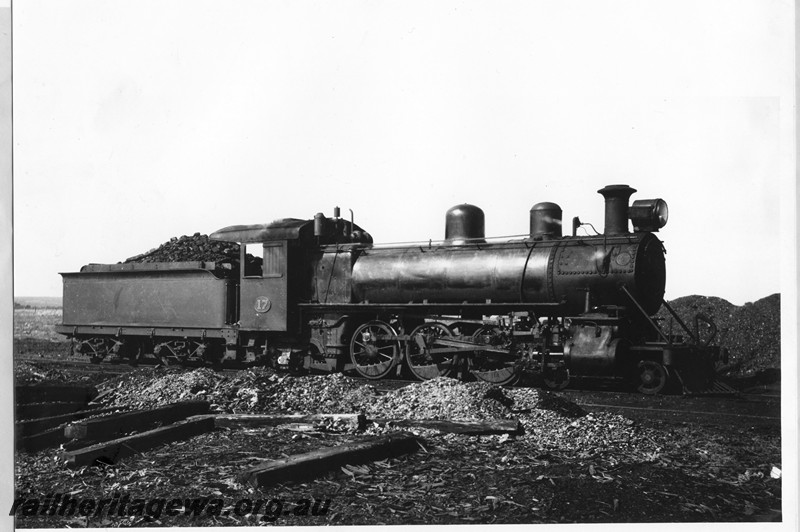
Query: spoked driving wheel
{"type": "Point", "coordinates": [652, 377]}
{"type": "Point", "coordinates": [494, 364]}
{"type": "Point", "coordinates": [421, 353]}
{"type": "Point", "coordinates": [373, 352]}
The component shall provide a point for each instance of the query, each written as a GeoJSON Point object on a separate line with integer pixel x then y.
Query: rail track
{"type": "Point", "coordinates": [747, 410]}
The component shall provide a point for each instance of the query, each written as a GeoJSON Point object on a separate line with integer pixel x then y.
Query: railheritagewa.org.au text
{"type": "Point", "coordinates": [65, 505]}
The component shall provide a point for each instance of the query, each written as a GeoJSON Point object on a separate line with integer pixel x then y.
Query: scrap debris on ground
{"type": "Point", "coordinates": [567, 465]}
{"type": "Point", "coordinates": [27, 373]}
{"type": "Point", "coordinates": [262, 390]}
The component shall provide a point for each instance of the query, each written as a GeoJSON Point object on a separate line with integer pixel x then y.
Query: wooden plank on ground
{"type": "Point", "coordinates": [356, 421]}
{"type": "Point", "coordinates": [43, 440]}
{"type": "Point", "coordinates": [316, 462]}
{"type": "Point", "coordinates": [114, 450]}
{"type": "Point", "coordinates": [40, 393]}
{"type": "Point", "coordinates": [114, 426]}
{"type": "Point", "coordinates": [474, 428]}
{"type": "Point", "coordinates": [102, 396]}
{"type": "Point", "coordinates": [34, 426]}
{"type": "Point", "coordinates": [37, 410]}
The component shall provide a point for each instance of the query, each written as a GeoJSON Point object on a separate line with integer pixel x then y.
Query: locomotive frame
{"type": "Point", "coordinates": [326, 298]}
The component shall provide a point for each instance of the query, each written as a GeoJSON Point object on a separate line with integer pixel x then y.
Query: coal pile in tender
{"type": "Point", "coordinates": [751, 333]}
{"type": "Point", "coordinates": [197, 247]}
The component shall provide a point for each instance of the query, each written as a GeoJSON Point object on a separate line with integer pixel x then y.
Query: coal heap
{"type": "Point", "coordinates": [751, 332]}
{"type": "Point", "coordinates": [190, 248]}
{"type": "Point", "coordinates": [197, 247]}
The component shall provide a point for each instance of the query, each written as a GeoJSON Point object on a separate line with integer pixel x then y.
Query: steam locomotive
{"type": "Point", "coordinates": [325, 297]}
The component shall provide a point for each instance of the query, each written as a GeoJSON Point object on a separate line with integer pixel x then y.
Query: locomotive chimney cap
{"type": "Point", "coordinates": [616, 190]}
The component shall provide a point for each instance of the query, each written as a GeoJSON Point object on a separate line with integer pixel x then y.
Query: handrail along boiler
{"type": "Point", "coordinates": [325, 297]}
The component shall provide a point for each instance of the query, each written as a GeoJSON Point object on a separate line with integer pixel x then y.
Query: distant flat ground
{"type": "Point", "coordinates": [38, 323]}
{"type": "Point", "coordinates": [37, 318]}
{"type": "Point", "coordinates": [39, 302]}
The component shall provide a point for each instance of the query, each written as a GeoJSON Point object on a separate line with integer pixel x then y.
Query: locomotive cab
{"type": "Point", "coordinates": [264, 284]}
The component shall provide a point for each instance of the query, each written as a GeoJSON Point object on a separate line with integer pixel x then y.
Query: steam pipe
{"type": "Point", "coordinates": [352, 225]}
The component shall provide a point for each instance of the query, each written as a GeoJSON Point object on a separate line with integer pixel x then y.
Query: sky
{"type": "Point", "coordinates": [137, 121]}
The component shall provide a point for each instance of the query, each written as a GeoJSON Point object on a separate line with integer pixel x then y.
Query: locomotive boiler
{"type": "Point", "coordinates": [326, 297]}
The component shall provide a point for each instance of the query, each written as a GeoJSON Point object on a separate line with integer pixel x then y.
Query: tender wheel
{"type": "Point", "coordinates": [493, 367]}
{"type": "Point", "coordinates": [214, 354]}
{"type": "Point", "coordinates": [421, 355]}
{"type": "Point", "coordinates": [184, 352]}
{"type": "Point", "coordinates": [372, 354]}
{"type": "Point", "coordinates": [162, 353]}
{"type": "Point", "coordinates": [96, 348]}
{"type": "Point", "coordinates": [556, 378]}
{"type": "Point", "coordinates": [652, 377]}
{"type": "Point", "coordinates": [133, 351]}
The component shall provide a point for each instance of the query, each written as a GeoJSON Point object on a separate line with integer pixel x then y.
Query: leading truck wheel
{"type": "Point", "coordinates": [372, 352]}
{"type": "Point", "coordinates": [556, 378]}
{"type": "Point", "coordinates": [421, 357]}
{"type": "Point", "coordinates": [652, 377]}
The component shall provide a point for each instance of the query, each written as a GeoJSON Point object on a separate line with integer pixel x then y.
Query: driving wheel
{"type": "Point", "coordinates": [495, 364]}
{"type": "Point", "coordinates": [372, 351]}
{"type": "Point", "coordinates": [421, 352]}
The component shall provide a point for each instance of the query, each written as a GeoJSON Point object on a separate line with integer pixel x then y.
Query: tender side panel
{"type": "Point", "coordinates": [147, 299]}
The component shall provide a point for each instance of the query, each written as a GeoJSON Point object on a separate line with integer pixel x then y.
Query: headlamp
{"type": "Point", "coordinates": [648, 215]}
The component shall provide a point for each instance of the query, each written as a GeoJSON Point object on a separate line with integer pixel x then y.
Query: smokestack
{"type": "Point", "coordinates": [617, 197]}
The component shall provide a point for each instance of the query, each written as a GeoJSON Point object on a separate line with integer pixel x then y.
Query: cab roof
{"type": "Point", "coordinates": [284, 229]}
